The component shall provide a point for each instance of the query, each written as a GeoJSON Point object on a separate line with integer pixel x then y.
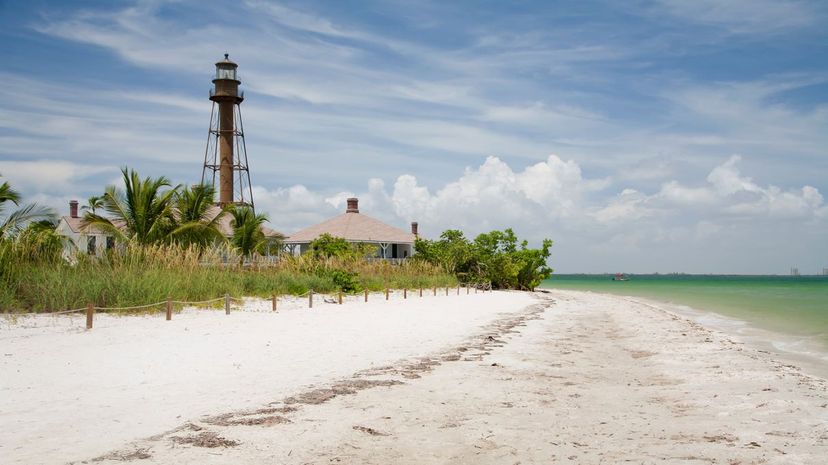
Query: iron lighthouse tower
{"type": "Point", "coordinates": [226, 153]}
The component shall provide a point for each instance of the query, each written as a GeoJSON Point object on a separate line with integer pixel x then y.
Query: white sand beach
{"type": "Point", "coordinates": [503, 377]}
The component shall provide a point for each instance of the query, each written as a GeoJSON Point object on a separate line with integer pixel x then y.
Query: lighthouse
{"type": "Point", "coordinates": [226, 152]}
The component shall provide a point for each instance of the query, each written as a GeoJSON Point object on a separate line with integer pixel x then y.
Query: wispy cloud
{"type": "Point", "coordinates": [642, 99]}
{"type": "Point", "coordinates": [745, 16]}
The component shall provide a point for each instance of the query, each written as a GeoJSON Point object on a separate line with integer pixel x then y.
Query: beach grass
{"type": "Point", "coordinates": [142, 275]}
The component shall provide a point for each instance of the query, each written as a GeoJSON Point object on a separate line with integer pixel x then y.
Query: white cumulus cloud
{"type": "Point", "coordinates": [730, 193]}
{"type": "Point", "coordinates": [49, 176]}
{"type": "Point", "coordinates": [555, 199]}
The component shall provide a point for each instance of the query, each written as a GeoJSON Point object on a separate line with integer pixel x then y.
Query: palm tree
{"type": "Point", "coordinates": [248, 236]}
{"type": "Point", "coordinates": [39, 241]}
{"type": "Point", "coordinates": [93, 203]}
{"type": "Point", "coordinates": [141, 212]}
{"type": "Point", "coordinates": [197, 218]}
{"type": "Point", "coordinates": [17, 220]}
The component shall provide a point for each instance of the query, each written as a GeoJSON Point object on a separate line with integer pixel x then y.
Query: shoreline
{"type": "Point", "coordinates": [589, 379]}
{"type": "Point", "coordinates": [569, 376]}
{"type": "Point", "coordinates": [793, 348]}
{"type": "Point", "coordinates": [810, 355]}
{"type": "Point", "coordinates": [790, 305]}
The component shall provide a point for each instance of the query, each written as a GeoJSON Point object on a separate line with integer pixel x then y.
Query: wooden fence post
{"type": "Point", "coordinates": [421, 291]}
{"type": "Point", "coordinates": [339, 296]}
{"type": "Point", "coordinates": [447, 288]}
{"type": "Point", "coordinates": [226, 304]}
{"type": "Point", "coordinates": [435, 291]}
{"type": "Point", "coordinates": [366, 295]}
{"type": "Point", "coordinates": [273, 302]}
{"type": "Point", "coordinates": [458, 289]}
{"type": "Point", "coordinates": [386, 293]}
{"type": "Point", "coordinates": [169, 309]}
{"type": "Point", "coordinates": [467, 289]}
{"type": "Point", "coordinates": [90, 315]}
{"type": "Point", "coordinates": [405, 293]}
{"type": "Point", "coordinates": [310, 298]}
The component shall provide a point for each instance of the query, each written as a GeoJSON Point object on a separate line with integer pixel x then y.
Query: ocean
{"type": "Point", "coordinates": [795, 307]}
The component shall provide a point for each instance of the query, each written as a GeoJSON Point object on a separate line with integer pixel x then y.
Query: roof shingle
{"type": "Point", "coordinates": [354, 227]}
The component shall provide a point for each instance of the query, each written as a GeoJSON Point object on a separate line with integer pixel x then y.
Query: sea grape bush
{"type": "Point", "coordinates": [495, 257]}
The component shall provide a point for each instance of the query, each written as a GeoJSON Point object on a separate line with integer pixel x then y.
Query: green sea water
{"type": "Point", "coordinates": [794, 305]}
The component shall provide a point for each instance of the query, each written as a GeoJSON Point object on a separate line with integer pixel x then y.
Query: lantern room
{"type": "Point", "coordinates": [226, 83]}
{"type": "Point", "coordinates": [226, 69]}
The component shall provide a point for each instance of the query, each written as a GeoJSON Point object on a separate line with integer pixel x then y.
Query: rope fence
{"type": "Point", "coordinates": [62, 312]}
{"type": "Point", "coordinates": [134, 307]}
{"type": "Point", "coordinates": [330, 298]}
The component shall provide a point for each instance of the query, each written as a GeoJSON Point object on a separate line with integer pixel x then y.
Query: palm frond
{"type": "Point", "coordinates": [21, 217]}
{"type": "Point", "coordinates": [7, 194]}
{"type": "Point", "coordinates": [105, 225]}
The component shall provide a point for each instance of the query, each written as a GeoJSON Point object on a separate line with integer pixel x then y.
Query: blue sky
{"type": "Point", "coordinates": [641, 136]}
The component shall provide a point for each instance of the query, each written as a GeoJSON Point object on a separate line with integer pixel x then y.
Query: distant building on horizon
{"type": "Point", "coordinates": [355, 227]}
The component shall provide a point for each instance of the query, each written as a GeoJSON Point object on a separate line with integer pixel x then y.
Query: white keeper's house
{"type": "Point", "coordinates": [94, 241]}
{"type": "Point", "coordinates": [355, 227]}
{"type": "Point", "coordinates": [89, 239]}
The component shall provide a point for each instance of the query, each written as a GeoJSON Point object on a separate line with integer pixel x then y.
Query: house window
{"type": "Point", "coordinates": [90, 245]}
{"type": "Point", "coordinates": [110, 243]}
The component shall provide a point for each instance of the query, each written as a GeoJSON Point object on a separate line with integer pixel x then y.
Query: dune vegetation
{"type": "Point", "coordinates": [141, 274]}
{"type": "Point", "coordinates": [169, 245]}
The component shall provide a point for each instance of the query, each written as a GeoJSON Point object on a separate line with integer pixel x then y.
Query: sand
{"type": "Point", "coordinates": [565, 377]}
{"type": "Point", "coordinates": [69, 394]}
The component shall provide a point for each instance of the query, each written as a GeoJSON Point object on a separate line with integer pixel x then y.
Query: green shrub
{"type": "Point", "coordinates": [494, 257]}
{"type": "Point", "coordinates": [346, 281]}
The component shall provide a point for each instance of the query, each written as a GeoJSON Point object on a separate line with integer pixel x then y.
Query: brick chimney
{"type": "Point", "coordinates": [414, 229]}
{"type": "Point", "coordinates": [353, 205]}
{"type": "Point", "coordinates": [73, 208]}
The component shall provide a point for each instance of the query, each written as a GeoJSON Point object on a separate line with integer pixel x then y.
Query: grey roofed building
{"type": "Point", "coordinates": [355, 227]}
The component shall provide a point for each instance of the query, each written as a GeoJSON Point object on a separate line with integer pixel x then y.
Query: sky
{"type": "Point", "coordinates": [640, 136]}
